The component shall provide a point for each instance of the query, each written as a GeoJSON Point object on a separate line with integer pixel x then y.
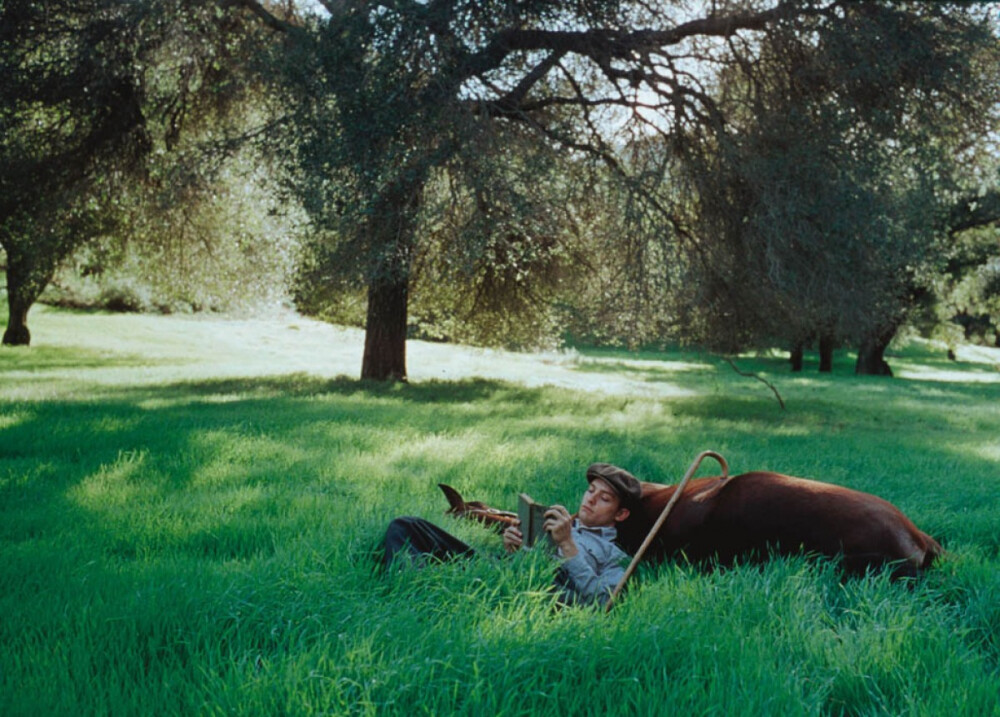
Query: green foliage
{"type": "Point", "coordinates": [71, 125]}
{"type": "Point", "coordinates": [233, 248]}
{"type": "Point", "coordinates": [178, 539]}
{"type": "Point", "coordinates": [97, 98]}
{"type": "Point", "coordinates": [484, 212]}
{"type": "Point", "coordinates": [824, 208]}
{"type": "Point", "coordinates": [967, 306]}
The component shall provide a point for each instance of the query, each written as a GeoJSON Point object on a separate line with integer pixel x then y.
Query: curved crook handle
{"type": "Point", "coordinates": [663, 517]}
{"type": "Point", "coordinates": [716, 456]}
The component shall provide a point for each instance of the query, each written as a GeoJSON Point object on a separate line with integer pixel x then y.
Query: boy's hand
{"type": "Point", "coordinates": [559, 524]}
{"type": "Point", "coordinates": [512, 537]}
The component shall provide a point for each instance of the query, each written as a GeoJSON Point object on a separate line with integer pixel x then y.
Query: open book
{"type": "Point", "coordinates": [532, 516]}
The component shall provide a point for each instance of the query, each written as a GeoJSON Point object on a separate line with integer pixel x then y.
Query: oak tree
{"type": "Point", "coordinates": [387, 96]}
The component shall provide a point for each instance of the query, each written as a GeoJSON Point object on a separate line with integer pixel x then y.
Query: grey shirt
{"type": "Point", "coordinates": [591, 574]}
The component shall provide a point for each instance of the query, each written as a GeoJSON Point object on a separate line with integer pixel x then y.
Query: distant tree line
{"type": "Point", "coordinates": [738, 175]}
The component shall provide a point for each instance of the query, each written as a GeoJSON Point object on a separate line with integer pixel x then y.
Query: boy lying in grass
{"type": "Point", "coordinates": [592, 564]}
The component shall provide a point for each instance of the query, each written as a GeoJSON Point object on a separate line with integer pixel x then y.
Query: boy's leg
{"type": "Point", "coordinates": [416, 538]}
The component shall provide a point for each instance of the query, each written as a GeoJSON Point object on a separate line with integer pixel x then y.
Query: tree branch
{"type": "Point", "coordinates": [513, 99]}
{"type": "Point", "coordinates": [974, 212]}
{"type": "Point", "coordinates": [781, 401]}
{"type": "Point", "coordinates": [268, 18]}
{"type": "Point", "coordinates": [602, 44]}
{"type": "Point", "coordinates": [614, 43]}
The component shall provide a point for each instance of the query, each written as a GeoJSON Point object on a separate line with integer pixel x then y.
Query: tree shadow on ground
{"type": "Point", "coordinates": [300, 385]}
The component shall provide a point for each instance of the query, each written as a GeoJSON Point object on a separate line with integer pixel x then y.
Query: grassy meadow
{"type": "Point", "coordinates": [189, 507]}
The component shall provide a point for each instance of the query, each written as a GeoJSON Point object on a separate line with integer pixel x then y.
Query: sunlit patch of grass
{"type": "Point", "coordinates": [12, 418]}
{"type": "Point", "coordinates": [989, 451]}
{"type": "Point", "coordinates": [112, 486]}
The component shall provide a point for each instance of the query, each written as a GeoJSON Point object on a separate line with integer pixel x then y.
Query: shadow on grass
{"type": "Point", "coordinates": [304, 385]}
{"type": "Point", "coordinates": [678, 361]}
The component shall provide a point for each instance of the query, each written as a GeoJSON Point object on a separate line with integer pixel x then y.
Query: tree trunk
{"type": "Point", "coordinates": [795, 357]}
{"type": "Point", "coordinates": [385, 329]}
{"type": "Point", "coordinates": [871, 355]}
{"type": "Point", "coordinates": [392, 229]}
{"type": "Point", "coordinates": [25, 282]}
{"type": "Point", "coordinates": [17, 333]}
{"type": "Point", "coordinates": [825, 353]}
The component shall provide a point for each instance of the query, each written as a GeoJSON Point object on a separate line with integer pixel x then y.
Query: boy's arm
{"type": "Point", "coordinates": [587, 584]}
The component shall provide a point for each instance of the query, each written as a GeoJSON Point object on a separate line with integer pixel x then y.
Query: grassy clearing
{"type": "Point", "coordinates": [187, 512]}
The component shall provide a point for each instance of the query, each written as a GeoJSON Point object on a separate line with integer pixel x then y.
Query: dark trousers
{"type": "Point", "coordinates": [414, 540]}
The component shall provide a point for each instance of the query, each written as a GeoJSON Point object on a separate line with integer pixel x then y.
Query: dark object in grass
{"type": "Point", "coordinates": [752, 515]}
{"type": "Point", "coordinates": [476, 510]}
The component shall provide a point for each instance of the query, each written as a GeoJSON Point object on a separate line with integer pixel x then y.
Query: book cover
{"type": "Point", "coordinates": [532, 516]}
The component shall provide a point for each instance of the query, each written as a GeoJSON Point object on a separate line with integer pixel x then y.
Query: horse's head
{"type": "Point", "coordinates": [476, 510]}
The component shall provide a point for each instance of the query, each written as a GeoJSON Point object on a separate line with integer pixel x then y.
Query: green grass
{"type": "Point", "coordinates": [188, 510]}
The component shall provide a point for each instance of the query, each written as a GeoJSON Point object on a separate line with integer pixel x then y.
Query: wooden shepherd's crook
{"type": "Point", "coordinates": [663, 517]}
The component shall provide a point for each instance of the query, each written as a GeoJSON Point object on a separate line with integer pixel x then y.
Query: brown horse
{"type": "Point", "coordinates": [748, 515]}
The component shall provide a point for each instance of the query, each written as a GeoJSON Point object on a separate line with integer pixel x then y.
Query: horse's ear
{"type": "Point", "coordinates": [454, 498]}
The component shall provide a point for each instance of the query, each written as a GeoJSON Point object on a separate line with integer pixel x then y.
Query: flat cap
{"type": "Point", "coordinates": [624, 483]}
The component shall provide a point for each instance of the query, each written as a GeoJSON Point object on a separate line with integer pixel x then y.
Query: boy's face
{"type": "Point", "coordinates": [600, 506]}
